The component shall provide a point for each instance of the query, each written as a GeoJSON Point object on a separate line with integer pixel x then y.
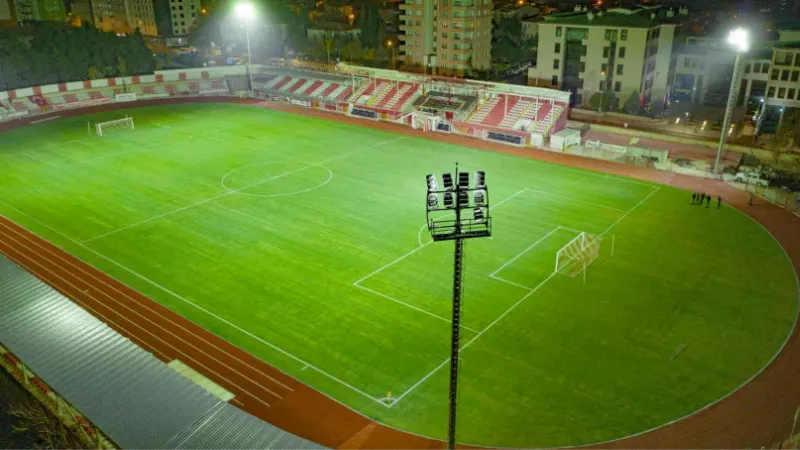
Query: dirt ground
{"type": "Point", "coordinates": [758, 414]}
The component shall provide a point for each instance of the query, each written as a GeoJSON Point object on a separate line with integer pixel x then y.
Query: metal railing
{"type": "Point", "coordinates": [776, 195]}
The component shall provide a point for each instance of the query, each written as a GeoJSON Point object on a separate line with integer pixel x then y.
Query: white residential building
{"type": "Point", "coordinates": [624, 51]}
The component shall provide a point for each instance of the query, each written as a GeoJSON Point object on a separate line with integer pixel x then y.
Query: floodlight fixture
{"type": "Point", "coordinates": [739, 39]}
{"type": "Point", "coordinates": [477, 214]}
{"type": "Point", "coordinates": [480, 178]}
{"type": "Point", "coordinates": [442, 226]}
{"type": "Point", "coordinates": [447, 180]}
{"type": "Point", "coordinates": [432, 185]}
{"type": "Point", "coordinates": [433, 201]}
{"type": "Point", "coordinates": [463, 179]}
{"type": "Point", "coordinates": [448, 200]}
{"type": "Point", "coordinates": [479, 198]}
{"type": "Point", "coordinates": [245, 10]}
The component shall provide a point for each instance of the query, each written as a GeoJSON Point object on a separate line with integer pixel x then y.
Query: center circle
{"type": "Point", "coordinates": [276, 178]}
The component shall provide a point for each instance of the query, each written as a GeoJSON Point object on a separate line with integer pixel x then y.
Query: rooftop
{"type": "Point", "coordinates": [637, 17]}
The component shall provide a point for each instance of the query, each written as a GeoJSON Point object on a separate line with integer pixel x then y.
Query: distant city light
{"type": "Point", "coordinates": [739, 39]}
{"type": "Point", "coordinates": [203, 11]}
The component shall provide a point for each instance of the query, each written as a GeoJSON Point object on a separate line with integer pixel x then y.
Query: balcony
{"type": "Point", "coordinates": [467, 4]}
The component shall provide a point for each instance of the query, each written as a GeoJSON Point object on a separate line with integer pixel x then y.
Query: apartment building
{"type": "Point", "coordinates": [40, 10]}
{"type": "Point", "coordinates": [184, 15]}
{"type": "Point", "coordinates": [446, 36]}
{"type": "Point", "coordinates": [624, 51]}
{"type": "Point", "coordinates": [7, 15]}
{"type": "Point", "coordinates": [124, 16]}
{"type": "Point", "coordinates": [702, 71]}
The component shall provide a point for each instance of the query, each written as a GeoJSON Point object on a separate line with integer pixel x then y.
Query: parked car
{"type": "Point", "coordinates": [750, 178]}
{"type": "Point", "coordinates": [790, 185]}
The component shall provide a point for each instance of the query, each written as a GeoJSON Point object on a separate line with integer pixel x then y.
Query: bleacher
{"type": "Point", "coordinates": [386, 94]}
{"type": "Point", "coordinates": [437, 101]}
{"type": "Point", "coordinates": [302, 86]}
{"type": "Point", "coordinates": [502, 112]}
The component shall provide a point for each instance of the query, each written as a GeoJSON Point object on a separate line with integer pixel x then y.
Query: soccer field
{"type": "Point", "coordinates": [303, 242]}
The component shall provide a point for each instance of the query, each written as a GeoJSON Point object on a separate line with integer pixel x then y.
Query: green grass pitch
{"type": "Point", "coordinates": [302, 241]}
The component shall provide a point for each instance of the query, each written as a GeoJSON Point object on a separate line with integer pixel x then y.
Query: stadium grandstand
{"type": "Point", "coordinates": [516, 115]}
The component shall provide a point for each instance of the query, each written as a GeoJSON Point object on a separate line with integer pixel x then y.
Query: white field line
{"type": "Point", "coordinates": [234, 191]}
{"type": "Point", "coordinates": [146, 306]}
{"type": "Point", "coordinates": [411, 306]}
{"type": "Point", "coordinates": [188, 357]}
{"type": "Point", "coordinates": [658, 188]}
{"type": "Point", "coordinates": [519, 255]}
{"type": "Point", "coordinates": [570, 199]}
{"type": "Point", "coordinates": [495, 277]}
{"type": "Point", "coordinates": [463, 347]}
{"type": "Point", "coordinates": [200, 308]}
{"type": "Point", "coordinates": [45, 120]}
{"type": "Point", "coordinates": [512, 307]}
{"type": "Point", "coordinates": [358, 282]}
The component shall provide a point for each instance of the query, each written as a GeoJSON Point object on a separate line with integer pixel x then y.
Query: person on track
{"type": "Point", "coordinates": [694, 197]}
{"type": "Point", "coordinates": [708, 201]}
{"type": "Point", "coordinates": [719, 201]}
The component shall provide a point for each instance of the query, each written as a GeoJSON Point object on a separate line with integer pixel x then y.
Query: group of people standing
{"type": "Point", "coordinates": [699, 197]}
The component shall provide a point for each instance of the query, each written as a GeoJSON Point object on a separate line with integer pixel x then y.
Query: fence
{"type": "Point", "coordinates": [778, 196]}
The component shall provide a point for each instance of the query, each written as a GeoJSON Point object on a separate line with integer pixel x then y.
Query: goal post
{"type": "Point", "coordinates": [114, 125]}
{"type": "Point", "coordinates": [573, 258]}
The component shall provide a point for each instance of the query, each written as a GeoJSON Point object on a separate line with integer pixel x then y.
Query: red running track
{"type": "Point", "coordinates": [760, 413]}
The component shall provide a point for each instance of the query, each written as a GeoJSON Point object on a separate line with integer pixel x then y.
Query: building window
{"type": "Point", "coordinates": [558, 47]}
{"type": "Point", "coordinates": [606, 52]}
{"type": "Point", "coordinates": [555, 80]}
{"type": "Point", "coordinates": [618, 86]}
{"type": "Point", "coordinates": [558, 34]}
{"type": "Point", "coordinates": [785, 75]}
{"type": "Point", "coordinates": [687, 62]}
{"type": "Point", "coordinates": [580, 83]}
{"type": "Point", "coordinates": [583, 50]}
{"type": "Point", "coordinates": [622, 52]}
{"type": "Point", "coordinates": [623, 35]}
{"type": "Point", "coordinates": [555, 63]}
{"type": "Point", "coordinates": [604, 68]}
{"type": "Point", "coordinates": [797, 60]}
{"type": "Point", "coordinates": [765, 68]}
{"type": "Point", "coordinates": [791, 94]}
{"type": "Point", "coordinates": [781, 92]}
{"type": "Point", "coordinates": [795, 75]}
{"type": "Point", "coordinates": [774, 74]}
{"type": "Point", "coordinates": [602, 86]}
{"type": "Point", "coordinates": [583, 67]}
{"type": "Point", "coordinates": [771, 92]}
{"type": "Point", "coordinates": [619, 69]}
{"type": "Point", "coordinates": [444, 35]}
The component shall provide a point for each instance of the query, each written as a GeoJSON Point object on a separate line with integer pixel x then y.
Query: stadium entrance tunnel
{"type": "Point", "coordinates": [276, 178]}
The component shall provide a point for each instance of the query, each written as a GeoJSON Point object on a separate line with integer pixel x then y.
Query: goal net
{"type": "Point", "coordinates": [114, 125]}
{"type": "Point", "coordinates": [579, 253]}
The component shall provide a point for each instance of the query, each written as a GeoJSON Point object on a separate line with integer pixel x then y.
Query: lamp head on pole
{"type": "Point", "coordinates": [739, 39]}
{"type": "Point", "coordinates": [245, 10]}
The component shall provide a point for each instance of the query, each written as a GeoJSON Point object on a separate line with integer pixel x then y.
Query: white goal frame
{"type": "Point", "coordinates": [114, 124]}
{"type": "Point", "coordinates": [579, 253]}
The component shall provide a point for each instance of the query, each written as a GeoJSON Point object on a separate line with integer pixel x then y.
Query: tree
{"type": "Point", "coordinates": [510, 46]}
{"type": "Point", "coordinates": [787, 136]}
{"type": "Point", "coordinates": [632, 105]}
{"type": "Point", "coordinates": [608, 99]}
{"type": "Point", "coordinates": [122, 67]}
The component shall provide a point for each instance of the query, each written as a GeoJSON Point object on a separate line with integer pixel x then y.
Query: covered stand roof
{"type": "Point", "coordinates": [134, 398]}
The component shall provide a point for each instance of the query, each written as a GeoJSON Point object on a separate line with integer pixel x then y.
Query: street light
{"type": "Point", "coordinates": [246, 11]}
{"type": "Point", "coordinates": [389, 44]}
{"type": "Point", "coordinates": [739, 39]}
{"type": "Point", "coordinates": [470, 205]}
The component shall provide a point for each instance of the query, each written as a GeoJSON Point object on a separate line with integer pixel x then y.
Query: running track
{"type": "Point", "coordinates": [758, 414]}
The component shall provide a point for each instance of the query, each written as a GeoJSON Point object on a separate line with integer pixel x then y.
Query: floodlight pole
{"type": "Point", "coordinates": [478, 226]}
{"type": "Point", "coordinates": [249, 55]}
{"type": "Point", "coordinates": [455, 335]}
{"type": "Point", "coordinates": [726, 123]}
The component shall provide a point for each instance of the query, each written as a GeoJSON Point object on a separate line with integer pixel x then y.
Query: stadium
{"type": "Point", "coordinates": [277, 244]}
